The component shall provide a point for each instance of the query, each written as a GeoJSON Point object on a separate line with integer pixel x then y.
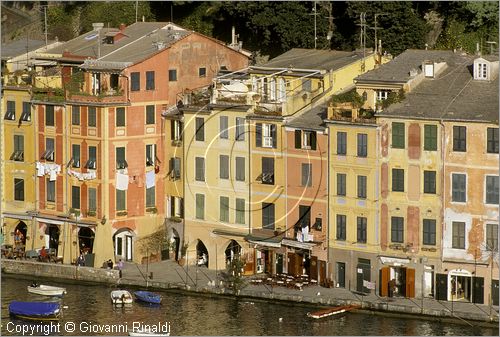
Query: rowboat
{"type": "Point", "coordinates": [46, 290]}
{"type": "Point", "coordinates": [332, 311]}
{"type": "Point", "coordinates": [121, 297]}
{"type": "Point", "coordinates": [35, 310]}
{"type": "Point", "coordinates": [148, 297]}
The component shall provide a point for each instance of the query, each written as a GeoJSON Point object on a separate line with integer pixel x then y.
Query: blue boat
{"type": "Point", "coordinates": [35, 310]}
{"type": "Point", "coordinates": [148, 297]}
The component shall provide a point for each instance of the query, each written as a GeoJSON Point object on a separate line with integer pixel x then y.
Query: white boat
{"type": "Point", "coordinates": [145, 332]}
{"type": "Point", "coordinates": [121, 297]}
{"type": "Point", "coordinates": [46, 290]}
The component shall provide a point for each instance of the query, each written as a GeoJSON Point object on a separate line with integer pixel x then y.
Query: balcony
{"type": "Point", "coordinates": [105, 97]}
{"type": "Point", "coordinates": [55, 95]}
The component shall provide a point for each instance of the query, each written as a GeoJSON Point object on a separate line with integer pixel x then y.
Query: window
{"type": "Point", "coordinates": [200, 129]}
{"type": "Point", "coordinates": [459, 138]}
{"type": "Point", "coordinates": [18, 189]}
{"type": "Point", "coordinates": [492, 143]}
{"type": "Point", "coordinates": [223, 124]}
{"type": "Point", "coordinates": [200, 169]}
{"type": "Point", "coordinates": [398, 135]}
{"type": "Point", "coordinates": [382, 94]}
{"type": "Point", "coordinates": [200, 206]}
{"type": "Point", "coordinates": [458, 235]}
{"type": "Point", "coordinates": [362, 144]}
{"type": "Point", "coordinates": [240, 211]}
{"type": "Point", "coordinates": [92, 158]}
{"type": "Point", "coordinates": [26, 115]}
{"type": "Point", "coordinates": [398, 180]}
{"type": "Point", "coordinates": [306, 84]}
{"type": "Point", "coordinates": [492, 237]}
{"type": "Point", "coordinates": [49, 149]}
{"type": "Point", "coordinates": [92, 199]}
{"type": "Point", "coordinates": [92, 116]}
{"type": "Point", "coordinates": [341, 143]}
{"type": "Point", "coordinates": [135, 81]}
{"type": "Point", "coordinates": [51, 190]}
{"type": "Point", "coordinates": [430, 137]}
{"type": "Point", "coordinates": [224, 167]}
{"type": "Point", "coordinates": [120, 117]}
{"type": "Point", "coordinates": [150, 114]}
{"type": "Point", "coordinates": [267, 215]}
{"type": "Point", "coordinates": [307, 175]}
{"type": "Point", "coordinates": [75, 158]}
{"type": "Point", "coordinates": [304, 218]}
{"type": "Point", "coordinates": [150, 197]}
{"type": "Point", "coordinates": [202, 72]}
{"type": "Point", "coordinates": [481, 71]}
{"type": "Point", "coordinates": [75, 197]}
{"type": "Point", "coordinates": [305, 140]}
{"type": "Point", "coordinates": [240, 129]}
{"type": "Point", "coordinates": [341, 184]}
{"type": "Point", "coordinates": [341, 227]}
{"type": "Point", "coordinates": [49, 115]}
{"type": "Point", "coordinates": [458, 187]}
{"type": "Point", "coordinates": [172, 75]}
{"type": "Point", "coordinates": [429, 234]}
{"type": "Point", "coordinates": [75, 115]}
{"type": "Point", "coordinates": [18, 154]}
{"type": "Point", "coordinates": [121, 200]}
{"type": "Point", "coordinates": [492, 190]}
{"type": "Point", "coordinates": [175, 168]}
{"type": "Point", "coordinates": [121, 163]}
{"type": "Point", "coordinates": [11, 111]}
{"type": "Point", "coordinates": [268, 171]}
{"type": "Point", "coordinates": [430, 182]}
{"type": "Point", "coordinates": [397, 229]}
{"type": "Point", "coordinates": [265, 135]}
{"type": "Point", "coordinates": [362, 187]}
{"type": "Point", "coordinates": [150, 154]}
{"type": "Point", "coordinates": [224, 209]}
{"type": "Point", "coordinates": [240, 168]}
{"type": "Point", "coordinates": [361, 229]}
{"type": "Point", "coordinates": [175, 130]}
{"type": "Point", "coordinates": [150, 80]}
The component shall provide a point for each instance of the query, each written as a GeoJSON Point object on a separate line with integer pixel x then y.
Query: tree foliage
{"type": "Point", "coordinates": [233, 275]}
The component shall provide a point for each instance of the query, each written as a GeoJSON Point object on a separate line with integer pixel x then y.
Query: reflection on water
{"type": "Point", "coordinates": [200, 315]}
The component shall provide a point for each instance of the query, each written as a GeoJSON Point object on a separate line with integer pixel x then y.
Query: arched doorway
{"type": "Point", "coordinates": [201, 254]}
{"type": "Point", "coordinates": [86, 240]}
{"type": "Point", "coordinates": [124, 244]}
{"type": "Point", "coordinates": [233, 250]}
{"type": "Point", "coordinates": [21, 230]}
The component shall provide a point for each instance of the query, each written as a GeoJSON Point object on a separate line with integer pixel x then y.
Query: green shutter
{"type": "Point", "coordinates": [398, 135]}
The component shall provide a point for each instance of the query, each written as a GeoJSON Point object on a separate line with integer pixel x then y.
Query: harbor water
{"type": "Point", "coordinates": [87, 310]}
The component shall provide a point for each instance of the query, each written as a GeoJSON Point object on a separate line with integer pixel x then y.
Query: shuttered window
{"type": "Point", "coordinates": [492, 190]}
{"type": "Point", "coordinates": [341, 184]}
{"type": "Point", "coordinates": [135, 81]}
{"type": "Point", "coordinates": [224, 167]}
{"type": "Point", "coordinates": [51, 190]}
{"type": "Point", "coordinates": [362, 187]}
{"type": "Point", "coordinates": [397, 229]}
{"type": "Point", "coordinates": [120, 117]}
{"type": "Point", "coordinates": [361, 229]}
{"type": "Point", "coordinates": [362, 145]}
{"type": "Point", "coordinates": [430, 137]}
{"type": "Point", "coordinates": [341, 227]}
{"type": "Point", "coordinates": [458, 235]}
{"type": "Point", "coordinates": [150, 114]}
{"type": "Point", "coordinates": [92, 116]}
{"type": "Point", "coordinates": [121, 200]}
{"type": "Point", "coordinates": [459, 138]}
{"type": "Point", "coordinates": [429, 232]}
{"type": "Point", "coordinates": [200, 129]}
{"type": "Point", "coordinates": [18, 189]}
{"type": "Point", "coordinates": [75, 197]}
{"type": "Point", "coordinates": [458, 187]}
{"type": "Point", "coordinates": [75, 115]}
{"type": "Point", "coordinates": [200, 169]}
{"type": "Point", "coordinates": [200, 206]}
{"type": "Point", "coordinates": [492, 140]}
{"type": "Point", "coordinates": [49, 115]}
{"type": "Point", "coordinates": [341, 143]}
{"type": "Point", "coordinates": [224, 209]}
{"type": "Point", "coordinates": [398, 135]}
{"type": "Point", "coordinates": [92, 199]}
{"type": "Point", "coordinates": [223, 125]}
{"type": "Point", "coordinates": [240, 211]}
{"type": "Point", "coordinates": [268, 170]}
{"type": "Point", "coordinates": [240, 168]}
{"type": "Point", "coordinates": [240, 129]}
{"type": "Point", "coordinates": [267, 215]}
{"type": "Point", "coordinates": [306, 174]}
{"type": "Point", "coordinates": [398, 180]}
{"type": "Point", "coordinates": [150, 80]}
{"type": "Point", "coordinates": [150, 197]}
{"type": "Point", "coordinates": [430, 182]}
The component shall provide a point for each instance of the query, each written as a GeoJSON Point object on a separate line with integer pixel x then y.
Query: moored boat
{"type": "Point", "coordinates": [332, 311]}
{"type": "Point", "coordinates": [46, 290]}
{"type": "Point", "coordinates": [35, 310]}
{"type": "Point", "coordinates": [121, 297]}
{"type": "Point", "coordinates": [147, 296]}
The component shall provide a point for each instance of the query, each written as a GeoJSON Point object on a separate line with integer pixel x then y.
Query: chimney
{"type": "Point", "coordinates": [478, 52]}
{"type": "Point", "coordinates": [354, 114]}
{"type": "Point", "coordinates": [122, 27]}
{"type": "Point", "coordinates": [233, 36]}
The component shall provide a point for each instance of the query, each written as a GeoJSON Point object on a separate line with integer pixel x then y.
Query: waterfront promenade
{"type": "Point", "coordinates": [170, 275]}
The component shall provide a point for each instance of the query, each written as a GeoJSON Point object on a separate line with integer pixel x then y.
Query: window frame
{"type": "Point", "coordinates": [92, 199]}
{"type": "Point", "coordinates": [240, 129]}
{"type": "Point", "coordinates": [429, 232]}
{"type": "Point", "coordinates": [341, 143]}
{"type": "Point", "coordinates": [10, 111]}
{"type": "Point", "coordinates": [224, 208]}
{"type": "Point", "coordinates": [121, 200]}
{"type": "Point", "coordinates": [341, 187]}
{"type": "Point", "coordinates": [199, 129]}
{"type": "Point", "coordinates": [202, 72]}
{"type": "Point", "coordinates": [150, 155]}
{"type": "Point", "coordinates": [19, 192]}
{"type": "Point", "coordinates": [172, 75]}
{"type": "Point", "coordinates": [50, 116]}
{"type": "Point", "coordinates": [268, 175]}
{"type": "Point", "coordinates": [199, 169]}
{"type": "Point", "coordinates": [92, 116]}
{"type": "Point", "coordinates": [240, 211]}
{"type": "Point", "coordinates": [150, 80]}
{"type": "Point", "coordinates": [150, 111]}
{"type": "Point", "coordinates": [459, 138]}
{"type": "Point", "coordinates": [75, 115]}
{"type": "Point", "coordinates": [268, 214]}
{"type": "Point", "coordinates": [50, 193]}
{"type": "Point", "coordinates": [76, 197]}
{"type": "Point", "coordinates": [398, 180]}
{"type": "Point", "coordinates": [429, 182]}
{"type": "Point", "coordinates": [18, 153]}
{"type": "Point", "coordinates": [223, 166]}
{"type": "Point", "coordinates": [240, 169]}
{"type": "Point", "coordinates": [362, 145]}
{"type": "Point", "coordinates": [458, 235]}
{"type": "Point", "coordinates": [120, 117]}
{"type": "Point", "coordinates": [492, 140]}
{"type": "Point", "coordinates": [135, 81]}
{"type": "Point", "coordinates": [489, 195]}
{"type": "Point", "coordinates": [341, 227]}
{"type": "Point", "coordinates": [399, 137]}
{"type": "Point", "coordinates": [361, 229]}
{"type": "Point", "coordinates": [362, 182]}
{"type": "Point", "coordinates": [308, 181]}
{"type": "Point", "coordinates": [76, 155]}
{"type": "Point", "coordinates": [150, 197]}
{"type": "Point", "coordinates": [492, 236]}
{"type": "Point", "coordinates": [430, 137]}
{"type": "Point", "coordinates": [224, 127]}
{"type": "Point", "coordinates": [200, 206]}
{"type": "Point", "coordinates": [121, 163]}
{"type": "Point", "coordinates": [397, 229]}
{"type": "Point", "coordinates": [455, 190]}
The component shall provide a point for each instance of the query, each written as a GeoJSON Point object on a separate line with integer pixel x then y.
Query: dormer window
{"type": "Point", "coordinates": [429, 69]}
{"type": "Point", "coordinates": [481, 72]}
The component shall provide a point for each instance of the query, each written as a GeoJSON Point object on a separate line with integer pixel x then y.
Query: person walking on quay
{"type": "Point", "coordinates": [120, 265]}
{"type": "Point", "coordinates": [43, 254]}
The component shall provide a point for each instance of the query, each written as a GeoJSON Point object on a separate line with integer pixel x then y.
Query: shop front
{"type": "Point", "coordinates": [460, 285]}
{"type": "Point", "coordinates": [396, 278]}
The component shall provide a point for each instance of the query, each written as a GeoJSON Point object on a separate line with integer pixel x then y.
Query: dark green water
{"type": "Point", "coordinates": [90, 306]}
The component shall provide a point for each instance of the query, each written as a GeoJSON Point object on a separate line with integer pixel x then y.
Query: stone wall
{"type": "Point", "coordinates": [59, 271]}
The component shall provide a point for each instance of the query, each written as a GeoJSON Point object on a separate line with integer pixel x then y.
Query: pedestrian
{"type": "Point", "coordinates": [110, 264]}
{"type": "Point", "coordinates": [392, 287]}
{"type": "Point", "coordinates": [81, 260]}
{"type": "Point", "coordinates": [119, 265]}
{"type": "Point", "coordinates": [43, 254]}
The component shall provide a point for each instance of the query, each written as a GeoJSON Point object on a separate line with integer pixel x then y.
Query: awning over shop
{"type": "Point", "coordinates": [298, 244]}
{"type": "Point", "coordinates": [265, 241]}
{"type": "Point", "coordinates": [393, 260]}
{"type": "Point", "coordinates": [19, 216]}
{"type": "Point", "coordinates": [55, 220]}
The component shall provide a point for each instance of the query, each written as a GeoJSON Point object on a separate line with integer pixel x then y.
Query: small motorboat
{"type": "Point", "coordinates": [332, 311]}
{"type": "Point", "coordinates": [121, 297]}
{"type": "Point", "coordinates": [42, 289]}
{"type": "Point", "coordinates": [35, 310]}
{"type": "Point", "coordinates": [148, 297]}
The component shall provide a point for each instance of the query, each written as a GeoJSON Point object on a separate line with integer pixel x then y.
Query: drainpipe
{"type": "Point", "coordinates": [443, 185]}
{"type": "Point", "coordinates": [33, 219]}
{"type": "Point", "coordinates": [286, 186]}
{"type": "Point", "coordinates": [327, 223]}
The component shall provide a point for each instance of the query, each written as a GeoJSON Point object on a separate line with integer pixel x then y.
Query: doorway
{"type": "Point", "coordinates": [124, 244]}
{"type": "Point", "coordinates": [340, 271]}
{"type": "Point", "coordinates": [201, 254]}
{"type": "Point", "coordinates": [363, 274]}
{"type": "Point", "coordinates": [460, 287]}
